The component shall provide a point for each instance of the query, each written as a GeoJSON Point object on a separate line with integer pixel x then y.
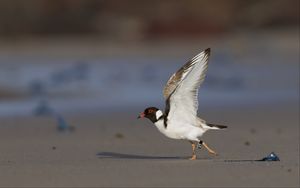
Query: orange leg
{"type": "Point", "coordinates": [193, 149]}
{"type": "Point", "coordinates": [209, 149]}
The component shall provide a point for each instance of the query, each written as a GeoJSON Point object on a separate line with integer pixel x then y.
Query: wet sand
{"type": "Point", "coordinates": [119, 150]}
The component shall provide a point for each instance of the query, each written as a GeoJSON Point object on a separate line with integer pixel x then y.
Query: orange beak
{"type": "Point", "coordinates": [142, 115]}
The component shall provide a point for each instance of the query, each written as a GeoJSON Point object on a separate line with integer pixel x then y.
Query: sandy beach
{"type": "Point", "coordinates": [111, 148]}
{"type": "Point", "coordinates": [117, 150]}
{"type": "Point", "coordinates": [74, 76]}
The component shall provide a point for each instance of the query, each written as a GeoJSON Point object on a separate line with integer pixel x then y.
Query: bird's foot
{"type": "Point", "coordinates": [194, 157]}
{"type": "Point", "coordinates": [212, 152]}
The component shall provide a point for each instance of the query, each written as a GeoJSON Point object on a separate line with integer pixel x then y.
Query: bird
{"type": "Point", "coordinates": [179, 120]}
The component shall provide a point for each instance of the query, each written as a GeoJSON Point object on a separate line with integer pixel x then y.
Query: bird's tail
{"type": "Point", "coordinates": [215, 126]}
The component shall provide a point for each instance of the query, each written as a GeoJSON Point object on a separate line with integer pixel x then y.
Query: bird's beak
{"type": "Point", "coordinates": [141, 115]}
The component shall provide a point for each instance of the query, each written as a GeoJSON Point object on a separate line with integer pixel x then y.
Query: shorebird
{"type": "Point", "coordinates": [179, 119]}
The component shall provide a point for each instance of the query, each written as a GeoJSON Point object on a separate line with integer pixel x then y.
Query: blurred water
{"type": "Point", "coordinates": [114, 84]}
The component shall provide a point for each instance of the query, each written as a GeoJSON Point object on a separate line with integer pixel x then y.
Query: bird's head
{"type": "Point", "coordinates": [152, 113]}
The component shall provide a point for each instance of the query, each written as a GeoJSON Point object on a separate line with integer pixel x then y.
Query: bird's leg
{"type": "Point", "coordinates": [193, 149]}
{"type": "Point", "coordinates": [208, 149]}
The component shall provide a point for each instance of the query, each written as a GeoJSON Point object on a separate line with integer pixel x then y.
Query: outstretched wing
{"type": "Point", "coordinates": [181, 90]}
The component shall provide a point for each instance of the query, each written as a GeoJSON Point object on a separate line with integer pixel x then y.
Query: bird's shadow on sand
{"type": "Point", "coordinates": [115, 155]}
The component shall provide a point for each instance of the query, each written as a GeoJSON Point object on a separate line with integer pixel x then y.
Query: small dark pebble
{"type": "Point", "coordinates": [53, 148]}
{"type": "Point", "coordinates": [289, 170]}
{"type": "Point", "coordinates": [119, 135]}
{"type": "Point", "coordinates": [247, 143]}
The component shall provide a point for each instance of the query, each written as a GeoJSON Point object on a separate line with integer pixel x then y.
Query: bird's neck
{"type": "Point", "coordinates": [157, 116]}
{"type": "Point", "coordinates": [159, 123]}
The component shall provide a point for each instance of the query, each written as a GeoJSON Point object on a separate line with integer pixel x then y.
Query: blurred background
{"type": "Point", "coordinates": [78, 56]}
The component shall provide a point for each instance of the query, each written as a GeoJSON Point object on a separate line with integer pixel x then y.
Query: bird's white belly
{"type": "Point", "coordinates": [178, 131]}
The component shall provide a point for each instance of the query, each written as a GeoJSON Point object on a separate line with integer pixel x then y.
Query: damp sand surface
{"type": "Point", "coordinates": [116, 150]}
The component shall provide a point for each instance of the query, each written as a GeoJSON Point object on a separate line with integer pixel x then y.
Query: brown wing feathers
{"type": "Point", "coordinates": [178, 76]}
